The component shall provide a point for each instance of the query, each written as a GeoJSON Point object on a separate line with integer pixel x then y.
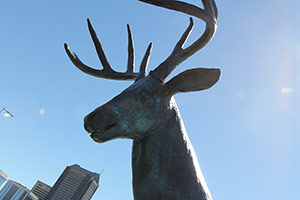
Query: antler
{"type": "Point", "coordinates": [107, 71]}
{"type": "Point", "coordinates": [209, 15]}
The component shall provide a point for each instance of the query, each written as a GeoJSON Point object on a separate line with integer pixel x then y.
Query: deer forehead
{"type": "Point", "coordinates": [144, 84]}
{"type": "Point", "coordinates": [144, 94]}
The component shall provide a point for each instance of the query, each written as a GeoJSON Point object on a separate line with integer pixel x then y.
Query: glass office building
{"type": "Point", "coordinates": [75, 183]}
{"type": "Point", "coordinates": [3, 177]}
{"type": "Point", "coordinates": [41, 190]}
{"type": "Point", "coordinates": [15, 191]}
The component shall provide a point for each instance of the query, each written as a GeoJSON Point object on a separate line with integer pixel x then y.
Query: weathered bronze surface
{"type": "Point", "coordinates": [164, 164]}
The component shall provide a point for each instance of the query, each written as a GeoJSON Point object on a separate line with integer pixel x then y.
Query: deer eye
{"type": "Point", "coordinates": [143, 96]}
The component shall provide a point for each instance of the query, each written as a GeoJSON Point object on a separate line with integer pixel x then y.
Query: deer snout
{"type": "Point", "coordinates": [89, 122]}
{"type": "Point", "coordinates": [102, 119]}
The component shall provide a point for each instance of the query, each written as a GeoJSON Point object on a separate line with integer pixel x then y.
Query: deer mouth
{"type": "Point", "coordinates": [110, 126]}
{"type": "Point", "coordinates": [95, 134]}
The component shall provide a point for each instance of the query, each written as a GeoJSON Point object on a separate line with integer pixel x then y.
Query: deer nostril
{"type": "Point", "coordinates": [88, 120]}
{"type": "Point", "coordinates": [87, 128]}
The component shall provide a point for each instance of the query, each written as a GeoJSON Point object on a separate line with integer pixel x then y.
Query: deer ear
{"type": "Point", "coordinates": [193, 80]}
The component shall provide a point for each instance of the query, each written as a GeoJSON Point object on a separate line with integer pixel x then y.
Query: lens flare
{"type": "Point", "coordinates": [287, 90]}
{"type": "Point", "coordinates": [42, 111]}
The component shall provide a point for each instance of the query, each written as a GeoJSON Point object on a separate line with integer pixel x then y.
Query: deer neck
{"type": "Point", "coordinates": [165, 165]}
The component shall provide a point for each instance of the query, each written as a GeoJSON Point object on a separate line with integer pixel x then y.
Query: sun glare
{"type": "Point", "coordinates": [287, 90]}
{"type": "Point", "coordinates": [42, 111]}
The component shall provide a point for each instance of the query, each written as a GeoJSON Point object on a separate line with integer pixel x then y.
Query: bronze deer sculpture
{"type": "Point", "coordinates": [164, 164]}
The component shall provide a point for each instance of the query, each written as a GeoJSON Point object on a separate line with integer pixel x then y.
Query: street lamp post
{"type": "Point", "coordinates": [7, 114]}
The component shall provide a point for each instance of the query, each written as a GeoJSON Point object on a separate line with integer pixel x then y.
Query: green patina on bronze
{"type": "Point", "coordinates": [164, 164]}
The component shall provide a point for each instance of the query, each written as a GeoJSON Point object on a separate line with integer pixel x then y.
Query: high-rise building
{"type": "Point", "coordinates": [15, 191]}
{"type": "Point", "coordinates": [75, 183]}
{"type": "Point", "coordinates": [3, 177]}
{"type": "Point", "coordinates": [41, 190]}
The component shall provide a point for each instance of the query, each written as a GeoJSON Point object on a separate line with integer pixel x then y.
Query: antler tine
{"type": "Point", "coordinates": [107, 72]}
{"type": "Point", "coordinates": [77, 62]}
{"type": "Point", "coordinates": [144, 63]}
{"type": "Point", "coordinates": [184, 36]}
{"type": "Point", "coordinates": [210, 6]}
{"type": "Point", "coordinates": [130, 63]}
{"type": "Point", "coordinates": [99, 48]}
{"type": "Point", "coordinates": [209, 15]}
{"type": "Point", "coordinates": [215, 9]}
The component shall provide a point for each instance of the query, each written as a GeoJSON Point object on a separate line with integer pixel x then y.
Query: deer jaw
{"type": "Point", "coordinates": [132, 114]}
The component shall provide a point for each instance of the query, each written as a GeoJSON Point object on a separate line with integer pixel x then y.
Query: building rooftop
{"type": "Point", "coordinates": [86, 172]}
{"type": "Point", "coordinates": [3, 174]}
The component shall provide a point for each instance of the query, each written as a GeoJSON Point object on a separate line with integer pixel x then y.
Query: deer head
{"type": "Point", "coordinates": [148, 104]}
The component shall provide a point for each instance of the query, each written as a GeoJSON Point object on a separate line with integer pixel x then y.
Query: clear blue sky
{"type": "Point", "coordinates": [245, 130]}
